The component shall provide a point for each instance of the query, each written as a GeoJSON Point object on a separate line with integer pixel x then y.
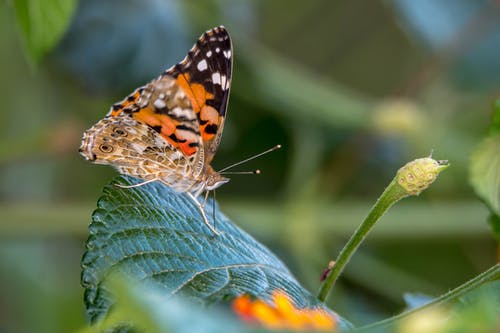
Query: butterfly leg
{"type": "Point", "coordinates": [206, 198]}
{"type": "Point", "coordinates": [213, 211]}
{"type": "Point", "coordinates": [136, 185]}
{"type": "Point", "coordinates": [207, 193]}
{"type": "Point", "coordinates": [200, 207]}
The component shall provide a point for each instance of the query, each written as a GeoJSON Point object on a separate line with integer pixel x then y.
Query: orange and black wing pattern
{"type": "Point", "coordinates": [205, 76]}
{"type": "Point", "coordinates": [187, 104]}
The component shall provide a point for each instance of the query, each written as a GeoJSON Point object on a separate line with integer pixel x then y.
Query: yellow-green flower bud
{"type": "Point", "coordinates": [418, 174]}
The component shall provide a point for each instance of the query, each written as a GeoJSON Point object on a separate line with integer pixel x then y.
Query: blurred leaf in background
{"type": "Point", "coordinates": [152, 311]}
{"type": "Point", "coordinates": [42, 24]}
{"type": "Point", "coordinates": [476, 311]}
{"type": "Point", "coordinates": [116, 55]}
{"type": "Point", "coordinates": [485, 171]}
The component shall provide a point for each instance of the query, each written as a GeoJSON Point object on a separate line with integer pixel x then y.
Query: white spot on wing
{"type": "Point", "coordinates": [216, 78]}
{"type": "Point", "coordinates": [217, 49]}
{"type": "Point", "coordinates": [177, 112]}
{"type": "Point", "coordinates": [223, 80]}
{"type": "Point", "coordinates": [202, 65]}
{"type": "Point", "coordinates": [159, 103]}
{"type": "Point", "coordinates": [227, 54]}
{"type": "Point", "coordinates": [209, 54]}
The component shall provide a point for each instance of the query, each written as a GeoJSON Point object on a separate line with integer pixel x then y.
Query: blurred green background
{"type": "Point", "coordinates": [351, 89]}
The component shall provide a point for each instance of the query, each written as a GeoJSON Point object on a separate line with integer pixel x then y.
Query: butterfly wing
{"type": "Point", "coordinates": [205, 76]}
{"type": "Point", "coordinates": [187, 104]}
{"type": "Point", "coordinates": [165, 107]}
{"type": "Point", "coordinates": [136, 149]}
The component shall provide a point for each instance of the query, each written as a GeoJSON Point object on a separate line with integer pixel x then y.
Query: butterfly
{"type": "Point", "coordinates": [169, 129]}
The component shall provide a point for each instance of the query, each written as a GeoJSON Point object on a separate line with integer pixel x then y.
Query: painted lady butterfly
{"type": "Point", "coordinates": [169, 129]}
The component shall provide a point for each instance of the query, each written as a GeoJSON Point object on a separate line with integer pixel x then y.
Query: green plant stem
{"type": "Point", "coordinates": [491, 274]}
{"type": "Point", "coordinates": [393, 193]}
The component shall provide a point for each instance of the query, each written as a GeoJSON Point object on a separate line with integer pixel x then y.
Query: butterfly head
{"type": "Point", "coordinates": [214, 179]}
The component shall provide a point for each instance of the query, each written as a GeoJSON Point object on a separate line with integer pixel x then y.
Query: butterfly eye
{"type": "Point", "coordinates": [118, 132]}
{"type": "Point", "coordinates": [106, 148]}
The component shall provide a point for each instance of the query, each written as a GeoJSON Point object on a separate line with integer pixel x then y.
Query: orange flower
{"type": "Point", "coordinates": [282, 314]}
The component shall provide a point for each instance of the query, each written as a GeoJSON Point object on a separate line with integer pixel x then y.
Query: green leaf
{"type": "Point", "coordinates": [478, 311]}
{"type": "Point", "coordinates": [494, 221]}
{"type": "Point", "coordinates": [156, 235]}
{"type": "Point", "coordinates": [485, 172]}
{"type": "Point", "coordinates": [43, 23]}
{"type": "Point", "coordinates": [495, 123]}
{"type": "Point", "coordinates": [452, 303]}
{"type": "Point", "coordinates": [152, 311]}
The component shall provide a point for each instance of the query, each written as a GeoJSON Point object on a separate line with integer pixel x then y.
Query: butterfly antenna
{"type": "Point", "coordinates": [254, 172]}
{"type": "Point", "coordinates": [249, 159]}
